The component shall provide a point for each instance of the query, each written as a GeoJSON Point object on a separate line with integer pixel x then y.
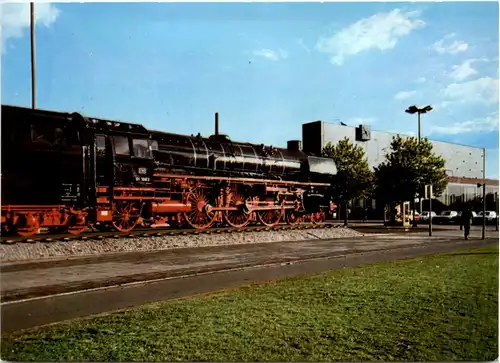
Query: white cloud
{"type": "Point", "coordinates": [486, 124]}
{"type": "Point", "coordinates": [465, 70]}
{"type": "Point", "coordinates": [481, 90]}
{"type": "Point", "coordinates": [420, 80]}
{"type": "Point", "coordinates": [360, 120]}
{"type": "Point", "coordinates": [446, 45]}
{"type": "Point", "coordinates": [462, 71]}
{"type": "Point", "coordinates": [380, 31]}
{"type": "Point", "coordinates": [402, 133]}
{"type": "Point", "coordinates": [445, 104]}
{"type": "Point", "coordinates": [404, 95]}
{"type": "Point", "coordinates": [271, 54]}
{"type": "Point", "coordinates": [15, 18]}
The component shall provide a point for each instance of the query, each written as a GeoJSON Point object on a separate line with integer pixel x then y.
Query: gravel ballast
{"type": "Point", "coordinates": [43, 250]}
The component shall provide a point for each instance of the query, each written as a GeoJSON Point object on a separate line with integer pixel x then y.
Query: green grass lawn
{"type": "Point", "coordinates": [442, 307]}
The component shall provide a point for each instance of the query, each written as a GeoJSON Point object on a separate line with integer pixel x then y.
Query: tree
{"type": "Point", "coordinates": [354, 179]}
{"type": "Point", "coordinates": [408, 167]}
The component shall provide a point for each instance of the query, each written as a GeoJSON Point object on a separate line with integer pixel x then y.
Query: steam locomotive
{"type": "Point", "coordinates": [67, 172]}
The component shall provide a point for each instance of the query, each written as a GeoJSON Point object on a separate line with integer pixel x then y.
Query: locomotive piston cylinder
{"type": "Point", "coordinates": [170, 206]}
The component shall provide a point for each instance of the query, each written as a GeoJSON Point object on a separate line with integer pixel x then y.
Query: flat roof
{"type": "Point", "coordinates": [463, 180]}
{"type": "Point", "coordinates": [394, 133]}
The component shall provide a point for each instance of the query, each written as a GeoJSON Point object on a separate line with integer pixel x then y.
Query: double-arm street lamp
{"type": "Point", "coordinates": [419, 111]}
{"type": "Point", "coordinates": [414, 109]}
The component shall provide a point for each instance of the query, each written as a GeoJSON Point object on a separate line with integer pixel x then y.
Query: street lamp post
{"type": "Point", "coordinates": [484, 194]}
{"type": "Point", "coordinates": [32, 28]}
{"type": "Point", "coordinates": [483, 184]}
{"type": "Point", "coordinates": [496, 210]}
{"type": "Point", "coordinates": [412, 110]}
{"type": "Point", "coordinates": [428, 194]}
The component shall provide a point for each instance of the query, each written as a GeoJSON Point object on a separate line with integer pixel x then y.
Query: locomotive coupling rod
{"type": "Point", "coordinates": [279, 207]}
{"type": "Point", "coordinates": [250, 209]}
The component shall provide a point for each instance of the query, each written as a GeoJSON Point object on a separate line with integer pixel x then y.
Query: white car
{"type": "Point", "coordinates": [445, 217]}
{"type": "Point", "coordinates": [425, 215]}
{"type": "Point", "coordinates": [490, 216]}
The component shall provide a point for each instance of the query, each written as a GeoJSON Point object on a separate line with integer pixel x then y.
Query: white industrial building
{"type": "Point", "coordinates": [464, 164]}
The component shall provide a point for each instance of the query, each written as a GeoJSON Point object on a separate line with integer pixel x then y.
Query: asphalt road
{"type": "Point", "coordinates": [50, 292]}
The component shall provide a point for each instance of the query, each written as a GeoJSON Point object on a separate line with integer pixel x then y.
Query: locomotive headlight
{"type": "Point", "coordinates": [142, 171]}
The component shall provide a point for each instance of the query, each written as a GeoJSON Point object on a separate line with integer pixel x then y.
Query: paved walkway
{"type": "Point", "coordinates": [332, 254]}
{"type": "Point", "coordinates": [23, 280]}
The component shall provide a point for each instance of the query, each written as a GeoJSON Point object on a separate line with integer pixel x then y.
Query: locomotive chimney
{"type": "Point", "coordinates": [216, 123]}
{"type": "Point", "coordinates": [218, 137]}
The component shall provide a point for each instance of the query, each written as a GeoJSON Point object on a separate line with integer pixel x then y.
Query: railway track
{"type": "Point", "coordinates": [157, 232]}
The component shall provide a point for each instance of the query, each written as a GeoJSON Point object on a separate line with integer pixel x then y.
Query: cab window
{"type": "Point", "coordinates": [120, 144]}
{"type": "Point", "coordinates": [154, 145]}
{"type": "Point", "coordinates": [41, 133]}
{"type": "Point", "coordinates": [100, 141]}
{"type": "Point", "coordinates": [141, 148]}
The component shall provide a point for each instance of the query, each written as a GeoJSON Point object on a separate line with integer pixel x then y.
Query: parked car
{"type": "Point", "coordinates": [491, 217]}
{"type": "Point", "coordinates": [445, 217]}
{"type": "Point", "coordinates": [425, 215]}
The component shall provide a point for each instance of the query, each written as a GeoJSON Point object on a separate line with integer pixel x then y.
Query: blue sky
{"type": "Point", "coordinates": [265, 67]}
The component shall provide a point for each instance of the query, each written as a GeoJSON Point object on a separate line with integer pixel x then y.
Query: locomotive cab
{"type": "Point", "coordinates": [123, 153]}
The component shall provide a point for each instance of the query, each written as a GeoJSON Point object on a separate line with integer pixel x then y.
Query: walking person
{"type": "Point", "coordinates": [467, 221]}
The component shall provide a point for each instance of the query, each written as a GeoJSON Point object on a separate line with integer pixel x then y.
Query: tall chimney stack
{"type": "Point", "coordinates": [216, 123]}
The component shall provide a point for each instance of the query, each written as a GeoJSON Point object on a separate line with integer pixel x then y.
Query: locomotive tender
{"type": "Point", "coordinates": [67, 172]}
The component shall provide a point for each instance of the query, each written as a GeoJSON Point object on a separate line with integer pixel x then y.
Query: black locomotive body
{"type": "Point", "coordinates": [66, 171]}
{"type": "Point", "coordinates": [41, 158]}
{"type": "Point", "coordinates": [218, 155]}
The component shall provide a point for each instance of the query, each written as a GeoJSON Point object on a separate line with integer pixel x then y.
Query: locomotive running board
{"type": "Point", "coordinates": [251, 180]}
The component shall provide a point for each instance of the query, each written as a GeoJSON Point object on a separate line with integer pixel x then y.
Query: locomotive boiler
{"type": "Point", "coordinates": [219, 155]}
{"type": "Point", "coordinates": [66, 171]}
